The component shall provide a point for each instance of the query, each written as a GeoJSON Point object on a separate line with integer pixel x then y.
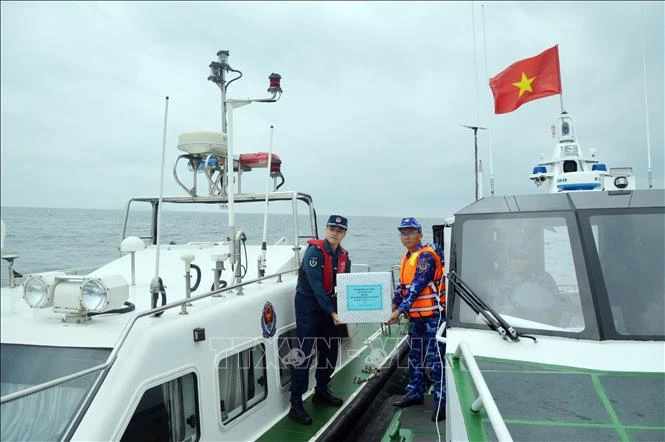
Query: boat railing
{"type": "Point", "coordinates": [484, 398]}
{"type": "Point", "coordinates": [286, 196]}
{"type": "Point", "coordinates": [123, 336]}
{"type": "Point", "coordinates": [12, 280]}
{"type": "Point", "coordinates": [357, 268]}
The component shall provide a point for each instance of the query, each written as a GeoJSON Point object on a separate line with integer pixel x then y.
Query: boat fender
{"type": "Point", "coordinates": [155, 295]}
{"type": "Point", "coordinates": [198, 276]}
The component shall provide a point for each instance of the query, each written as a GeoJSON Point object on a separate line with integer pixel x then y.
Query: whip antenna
{"type": "Point", "coordinates": [646, 96]}
{"type": "Point", "coordinates": [262, 258]}
{"type": "Point", "coordinates": [157, 285]}
{"type": "Point", "coordinates": [489, 132]}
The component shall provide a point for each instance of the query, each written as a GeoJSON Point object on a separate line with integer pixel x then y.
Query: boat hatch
{"type": "Point", "coordinates": [46, 414]}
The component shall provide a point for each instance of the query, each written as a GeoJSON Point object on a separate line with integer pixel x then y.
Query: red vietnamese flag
{"type": "Point", "coordinates": [527, 80]}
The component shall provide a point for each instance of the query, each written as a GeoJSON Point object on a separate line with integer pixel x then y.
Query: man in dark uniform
{"type": "Point", "coordinates": [316, 316]}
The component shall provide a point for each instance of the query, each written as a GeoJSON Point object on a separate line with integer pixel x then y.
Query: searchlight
{"type": "Point", "coordinates": [75, 296]}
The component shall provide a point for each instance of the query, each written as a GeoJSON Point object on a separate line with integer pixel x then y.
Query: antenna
{"type": "Point", "coordinates": [475, 144]}
{"type": "Point", "coordinates": [475, 58]}
{"type": "Point", "coordinates": [157, 285]}
{"type": "Point", "coordinates": [218, 70]}
{"type": "Point", "coordinates": [262, 258]}
{"type": "Point", "coordinates": [489, 133]}
{"type": "Point", "coordinates": [646, 95]}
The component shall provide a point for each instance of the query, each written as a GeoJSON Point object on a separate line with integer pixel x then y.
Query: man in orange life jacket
{"type": "Point", "coordinates": [421, 296]}
{"type": "Point", "coordinates": [316, 316]}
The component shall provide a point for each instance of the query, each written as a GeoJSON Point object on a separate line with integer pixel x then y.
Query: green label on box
{"type": "Point", "coordinates": [364, 297]}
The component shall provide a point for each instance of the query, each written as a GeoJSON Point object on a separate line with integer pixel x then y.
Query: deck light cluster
{"type": "Point", "coordinates": [75, 295]}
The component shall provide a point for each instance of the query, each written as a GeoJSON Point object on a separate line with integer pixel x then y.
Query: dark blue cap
{"type": "Point", "coordinates": [410, 222]}
{"type": "Point", "coordinates": [338, 221]}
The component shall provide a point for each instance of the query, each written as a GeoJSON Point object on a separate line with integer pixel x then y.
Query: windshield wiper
{"type": "Point", "coordinates": [478, 305]}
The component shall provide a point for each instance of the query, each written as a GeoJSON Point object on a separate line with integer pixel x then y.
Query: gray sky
{"type": "Point", "coordinates": [374, 95]}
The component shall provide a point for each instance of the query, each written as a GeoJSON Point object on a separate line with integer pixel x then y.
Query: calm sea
{"type": "Point", "coordinates": [52, 239]}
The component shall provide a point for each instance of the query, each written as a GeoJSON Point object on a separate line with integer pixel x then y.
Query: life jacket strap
{"type": "Point", "coordinates": [424, 309]}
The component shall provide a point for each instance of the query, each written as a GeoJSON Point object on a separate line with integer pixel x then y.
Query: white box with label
{"type": "Point", "coordinates": [364, 297]}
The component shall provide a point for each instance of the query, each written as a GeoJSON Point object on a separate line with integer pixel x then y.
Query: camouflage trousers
{"type": "Point", "coordinates": [423, 354]}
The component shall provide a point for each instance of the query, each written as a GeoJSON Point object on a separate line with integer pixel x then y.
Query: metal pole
{"type": "Point", "coordinates": [489, 135]}
{"type": "Point", "coordinates": [646, 98]}
{"type": "Point", "coordinates": [230, 195]}
{"type": "Point", "coordinates": [475, 156]}
{"type": "Point", "coordinates": [475, 143]}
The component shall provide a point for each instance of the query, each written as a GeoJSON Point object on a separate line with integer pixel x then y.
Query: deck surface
{"type": "Point", "coordinates": [546, 403]}
{"type": "Point", "coordinates": [342, 385]}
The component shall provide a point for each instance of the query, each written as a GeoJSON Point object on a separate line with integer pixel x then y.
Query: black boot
{"type": "Point", "coordinates": [442, 414]}
{"type": "Point", "coordinates": [324, 396]}
{"type": "Point", "coordinates": [407, 401]}
{"type": "Point", "coordinates": [298, 413]}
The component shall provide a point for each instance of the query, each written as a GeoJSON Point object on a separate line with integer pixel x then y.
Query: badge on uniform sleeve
{"type": "Point", "coordinates": [313, 261]}
{"type": "Point", "coordinates": [422, 265]}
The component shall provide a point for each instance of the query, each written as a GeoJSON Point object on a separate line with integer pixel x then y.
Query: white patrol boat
{"type": "Point", "coordinates": [182, 341]}
{"type": "Point", "coordinates": [569, 170]}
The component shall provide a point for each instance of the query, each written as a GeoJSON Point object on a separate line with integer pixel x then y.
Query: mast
{"type": "Point", "coordinates": [218, 70]}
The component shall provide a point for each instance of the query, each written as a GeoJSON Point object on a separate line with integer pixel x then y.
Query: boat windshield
{"type": "Point", "coordinates": [527, 270]}
{"type": "Point", "coordinates": [47, 414]}
{"type": "Point", "coordinates": [630, 249]}
{"type": "Point", "coordinates": [537, 270]}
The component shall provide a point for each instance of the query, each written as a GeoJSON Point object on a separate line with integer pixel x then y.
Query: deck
{"type": "Point", "coordinates": [342, 384]}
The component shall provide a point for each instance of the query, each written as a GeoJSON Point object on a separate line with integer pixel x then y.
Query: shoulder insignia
{"type": "Point", "coordinates": [313, 261]}
{"type": "Point", "coordinates": [422, 265]}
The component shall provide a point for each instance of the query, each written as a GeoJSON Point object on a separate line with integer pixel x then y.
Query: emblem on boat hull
{"type": "Point", "coordinates": [268, 320]}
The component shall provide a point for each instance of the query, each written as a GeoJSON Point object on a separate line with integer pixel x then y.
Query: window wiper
{"type": "Point", "coordinates": [479, 306]}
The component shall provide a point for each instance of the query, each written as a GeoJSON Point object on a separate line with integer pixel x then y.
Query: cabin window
{"type": "Point", "coordinates": [287, 344]}
{"type": "Point", "coordinates": [630, 249]}
{"type": "Point", "coordinates": [569, 166]}
{"type": "Point", "coordinates": [47, 414]}
{"type": "Point", "coordinates": [167, 412]}
{"type": "Point", "coordinates": [525, 269]}
{"type": "Point", "coordinates": [242, 381]}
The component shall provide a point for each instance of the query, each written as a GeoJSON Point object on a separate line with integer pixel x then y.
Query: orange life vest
{"type": "Point", "coordinates": [434, 294]}
{"type": "Point", "coordinates": [327, 263]}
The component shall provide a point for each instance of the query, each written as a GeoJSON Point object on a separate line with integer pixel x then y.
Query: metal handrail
{"type": "Point", "coordinates": [485, 398]}
{"type": "Point", "coordinates": [114, 353]}
{"type": "Point", "coordinates": [73, 271]}
{"type": "Point", "coordinates": [364, 266]}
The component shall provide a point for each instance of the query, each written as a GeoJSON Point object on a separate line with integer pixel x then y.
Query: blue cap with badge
{"type": "Point", "coordinates": [337, 221]}
{"type": "Point", "coordinates": [410, 223]}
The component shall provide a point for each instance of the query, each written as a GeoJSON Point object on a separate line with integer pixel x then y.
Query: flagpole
{"type": "Point", "coordinates": [489, 132]}
{"type": "Point", "coordinates": [646, 99]}
{"type": "Point", "coordinates": [561, 98]}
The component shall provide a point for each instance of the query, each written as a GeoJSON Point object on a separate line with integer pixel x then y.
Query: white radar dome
{"type": "Point", "coordinates": [196, 143]}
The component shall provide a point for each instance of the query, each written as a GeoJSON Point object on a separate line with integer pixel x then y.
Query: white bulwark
{"type": "Point", "coordinates": [364, 297]}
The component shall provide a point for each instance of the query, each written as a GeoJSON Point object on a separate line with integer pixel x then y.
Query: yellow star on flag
{"type": "Point", "coordinates": [524, 84]}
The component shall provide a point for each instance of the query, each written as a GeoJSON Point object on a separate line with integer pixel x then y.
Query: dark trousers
{"type": "Point", "coordinates": [313, 328]}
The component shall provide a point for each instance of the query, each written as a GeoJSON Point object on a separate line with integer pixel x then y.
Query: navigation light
{"type": "Point", "coordinates": [275, 86]}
